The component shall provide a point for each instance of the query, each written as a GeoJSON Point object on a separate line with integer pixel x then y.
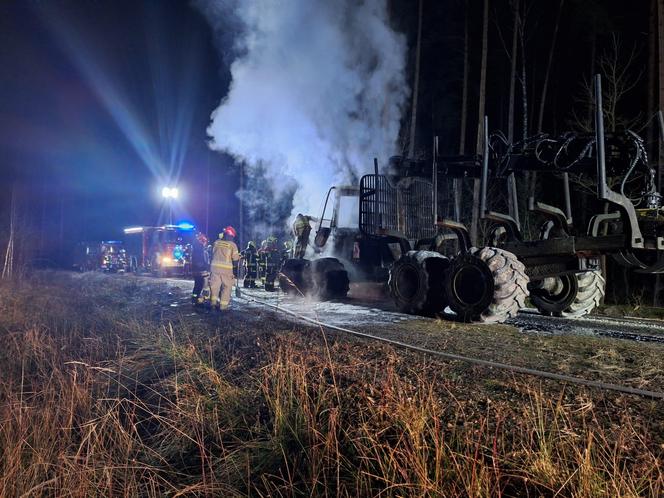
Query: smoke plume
{"type": "Point", "coordinates": [317, 91]}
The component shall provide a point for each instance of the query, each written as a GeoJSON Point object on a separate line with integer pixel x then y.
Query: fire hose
{"type": "Point", "coordinates": [467, 359]}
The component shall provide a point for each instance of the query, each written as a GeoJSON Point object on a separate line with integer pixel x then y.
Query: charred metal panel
{"type": "Point", "coordinates": [403, 210]}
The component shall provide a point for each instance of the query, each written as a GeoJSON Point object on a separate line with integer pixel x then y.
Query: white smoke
{"type": "Point", "coordinates": [317, 91]}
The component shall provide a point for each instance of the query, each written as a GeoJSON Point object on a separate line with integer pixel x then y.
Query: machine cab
{"type": "Point", "coordinates": [340, 212]}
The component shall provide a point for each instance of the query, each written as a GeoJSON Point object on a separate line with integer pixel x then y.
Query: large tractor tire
{"type": "Point", "coordinates": [294, 277]}
{"type": "Point", "coordinates": [572, 295]}
{"type": "Point", "coordinates": [487, 285]}
{"type": "Point", "coordinates": [417, 282]}
{"type": "Point", "coordinates": [329, 278]}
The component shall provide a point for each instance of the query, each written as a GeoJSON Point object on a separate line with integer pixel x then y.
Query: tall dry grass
{"type": "Point", "coordinates": [101, 397]}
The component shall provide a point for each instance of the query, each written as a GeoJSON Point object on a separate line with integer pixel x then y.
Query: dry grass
{"type": "Point", "coordinates": [100, 397]}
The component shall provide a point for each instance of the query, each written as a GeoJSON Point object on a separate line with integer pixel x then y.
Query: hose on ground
{"type": "Point", "coordinates": [467, 359]}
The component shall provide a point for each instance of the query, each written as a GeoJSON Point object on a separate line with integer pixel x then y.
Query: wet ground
{"type": "Point", "coordinates": [369, 308]}
{"type": "Point", "coordinates": [635, 329]}
{"type": "Point", "coordinates": [594, 348]}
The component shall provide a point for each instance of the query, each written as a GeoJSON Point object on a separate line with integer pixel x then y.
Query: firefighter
{"type": "Point", "coordinates": [270, 259]}
{"type": "Point", "coordinates": [224, 254]}
{"type": "Point", "coordinates": [200, 266]}
{"type": "Point", "coordinates": [301, 231]}
{"type": "Point", "coordinates": [250, 261]}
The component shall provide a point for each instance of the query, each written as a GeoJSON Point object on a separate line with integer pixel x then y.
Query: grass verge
{"type": "Point", "coordinates": [105, 393]}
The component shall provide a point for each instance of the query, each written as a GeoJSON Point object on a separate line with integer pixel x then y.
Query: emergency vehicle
{"type": "Point", "coordinates": [161, 250]}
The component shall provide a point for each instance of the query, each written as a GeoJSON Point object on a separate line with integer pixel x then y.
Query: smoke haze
{"type": "Point", "coordinates": [317, 91]}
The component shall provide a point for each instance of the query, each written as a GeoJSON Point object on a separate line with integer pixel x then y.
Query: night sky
{"type": "Point", "coordinates": [101, 104]}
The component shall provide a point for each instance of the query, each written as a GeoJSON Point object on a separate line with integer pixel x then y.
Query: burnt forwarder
{"type": "Point", "coordinates": [559, 270]}
{"type": "Point", "coordinates": [364, 230]}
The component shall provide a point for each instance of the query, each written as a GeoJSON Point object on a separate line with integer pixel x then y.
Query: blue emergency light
{"type": "Point", "coordinates": [178, 253]}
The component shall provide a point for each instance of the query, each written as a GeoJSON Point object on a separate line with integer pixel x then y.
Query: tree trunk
{"type": "Point", "coordinates": [241, 199]}
{"type": "Point", "coordinates": [42, 225]}
{"type": "Point", "coordinates": [8, 267]}
{"type": "Point", "coordinates": [207, 194]}
{"type": "Point", "coordinates": [513, 58]}
{"type": "Point", "coordinates": [660, 105]}
{"type": "Point", "coordinates": [512, 197]}
{"type": "Point", "coordinates": [458, 182]}
{"type": "Point", "coordinates": [593, 56]}
{"type": "Point", "coordinates": [416, 84]}
{"type": "Point", "coordinates": [547, 73]}
{"type": "Point", "coordinates": [652, 77]}
{"type": "Point", "coordinates": [660, 79]}
{"type": "Point", "coordinates": [545, 88]}
{"type": "Point", "coordinates": [524, 81]}
{"type": "Point", "coordinates": [61, 231]}
{"type": "Point", "coordinates": [652, 106]}
{"type": "Point", "coordinates": [524, 106]}
{"type": "Point", "coordinates": [474, 227]}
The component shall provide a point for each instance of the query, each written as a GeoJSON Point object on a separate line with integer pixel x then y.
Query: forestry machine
{"type": "Point", "coordinates": [560, 269]}
{"type": "Point", "coordinates": [343, 245]}
{"type": "Point", "coordinates": [400, 232]}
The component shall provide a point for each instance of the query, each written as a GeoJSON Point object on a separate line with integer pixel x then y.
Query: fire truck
{"type": "Point", "coordinates": [161, 250]}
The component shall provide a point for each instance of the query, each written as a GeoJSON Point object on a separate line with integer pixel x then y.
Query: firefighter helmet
{"type": "Point", "coordinates": [251, 243]}
{"type": "Point", "coordinates": [288, 245]}
{"type": "Point", "coordinates": [202, 238]}
{"type": "Point", "coordinates": [230, 231]}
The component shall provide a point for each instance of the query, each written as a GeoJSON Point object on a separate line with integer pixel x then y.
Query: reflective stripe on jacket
{"type": "Point", "coordinates": [224, 252]}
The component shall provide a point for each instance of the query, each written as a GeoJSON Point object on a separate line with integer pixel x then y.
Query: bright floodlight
{"type": "Point", "coordinates": [170, 192]}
